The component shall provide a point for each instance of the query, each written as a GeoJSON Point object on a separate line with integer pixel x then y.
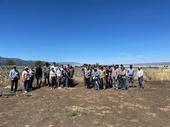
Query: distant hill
{"type": "Point", "coordinates": [17, 61]}
{"type": "Point", "coordinates": [20, 62]}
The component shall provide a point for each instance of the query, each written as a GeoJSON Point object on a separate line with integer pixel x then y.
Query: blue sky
{"type": "Point", "coordinates": [86, 31]}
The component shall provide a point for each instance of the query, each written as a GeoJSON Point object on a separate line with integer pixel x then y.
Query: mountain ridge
{"type": "Point", "coordinates": [22, 62]}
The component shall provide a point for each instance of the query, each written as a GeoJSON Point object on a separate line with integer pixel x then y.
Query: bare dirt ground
{"type": "Point", "coordinates": [80, 107]}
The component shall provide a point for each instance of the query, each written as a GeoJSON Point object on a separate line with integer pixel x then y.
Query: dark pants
{"type": "Point", "coordinates": [123, 83]}
{"type": "Point", "coordinates": [14, 83]}
{"type": "Point", "coordinates": [26, 85]}
{"type": "Point", "coordinates": [53, 82]}
{"type": "Point", "coordinates": [110, 82]}
{"type": "Point", "coordinates": [31, 82]}
{"type": "Point", "coordinates": [107, 81]}
{"type": "Point", "coordinates": [131, 80]}
{"type": "Point", "coordinates": [47, 79]}
{"type": "Point", "coordinates": [119, 81]}
{"type": "Point", "coordinates": [66, 82]}
{"type": "Point", "coordinates": [39, 81]}
{"type": "Point", "coordinates": [141, 82]}
{"type": "Point", "coordinates": [102, 84]}
{"type": "Point", "coordinates": [88, 82]}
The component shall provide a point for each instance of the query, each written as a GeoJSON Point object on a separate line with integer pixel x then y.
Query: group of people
{"type": "Point", "coordinates": [118, 77]}
{"type": "Point", "coordinates": [54, 76]}
{"type": "Point", "coordinates": [57, 76]}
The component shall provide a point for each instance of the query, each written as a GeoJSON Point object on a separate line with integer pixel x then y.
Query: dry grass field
{"type": "Point", "coordinates": [80, 107]}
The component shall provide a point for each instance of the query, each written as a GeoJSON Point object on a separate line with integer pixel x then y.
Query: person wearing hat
{"type": "Point", "coordinates": [26, 79]}
{"type": "Point", "coordinates": [140, 77]}
{"type": "Point", "coordinates": [14, 76]}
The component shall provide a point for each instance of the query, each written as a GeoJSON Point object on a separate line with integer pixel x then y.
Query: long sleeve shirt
{"type": "Point", "coordinates": [52, 74]}
{"type": "Point", "coordinates": [140, 73]}
{"type": "Point", "coordinates": [25, 75]}
{"type": "Point", "coordinates": [114, 73]}
{"type": "Point", "coordinates": [95, 75]}
{"type": "Point", "coordinates": [59, 73]}
{"type": "Point", "coordinates": [14, 74]}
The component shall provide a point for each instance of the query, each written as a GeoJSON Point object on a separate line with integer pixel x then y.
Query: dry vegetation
{"type": "Point", "coordinates": [80, 107]}
{"type": "Point", "coordinates": [150, 74]}
{"type": "Point", "coordinates": [157, 74]}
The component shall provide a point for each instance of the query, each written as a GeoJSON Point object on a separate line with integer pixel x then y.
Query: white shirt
{"type": "Point", "coordinates": [52, 74]}
{"type": "Point", "coordinates": [59, 73]}
{"type": "Point", "coordinates": [140, 73]}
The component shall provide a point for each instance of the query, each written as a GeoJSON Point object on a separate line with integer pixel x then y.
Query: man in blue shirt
{"type": "Point", "coordinates": [14, 76]}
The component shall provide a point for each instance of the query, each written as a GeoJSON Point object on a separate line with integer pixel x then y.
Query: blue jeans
{"type": "Point", "coordinates": [123, 83]}
{"type": "Point", "coordinates": [66, 82]}
{"type": "Point", "coordinates": [119, 82]}
{"type": "Point", "coordinates": [26, 85]}
{"type": "Point", "coordinates": [96, 83]}
{"type": "Point", "coordinates": [110, 82]}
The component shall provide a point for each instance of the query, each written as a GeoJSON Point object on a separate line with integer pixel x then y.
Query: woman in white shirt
{"type": "Point", "coordinates": [140, 77]}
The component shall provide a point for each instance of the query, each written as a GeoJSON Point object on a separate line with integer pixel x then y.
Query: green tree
{"type": "Point", "coordinates": [36, 63]}
{"type": "Point", "coordinates": [97, 65]}
{"type": "Point", "coordinates": [9, 62]}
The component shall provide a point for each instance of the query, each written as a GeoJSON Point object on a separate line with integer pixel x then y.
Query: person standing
{"type": "Point", "coordinates": [67, 78]}
{"type": "Point", "coordinates": [107, 76]}
{"type": "Point", "coordinates": [53, 78]}
{"type": "Point", "coordinates": [140, 77]}
{"type": "Point", "coordinates": [38, 75]}
{"type": "Point", "coordinates": [123, 78]}
{"type": "Point", "coordinates": [47, 74]}
{"type": "Point", "coordinates": [102, 77]}
{"type": "Point", "coordinates": [32, 75]}
{"type": "Point", "coordinates": [71, 71]}
{"type": "Point", "coordinates": [119, 70]}
{"type": "Point", "coordinates": [59, 76]}
{"type": "Point", "coordinates": [87, 77]}
{"type": "Point", "coordinates": [114, 77]}
{"type": "Point", "coordinates": [14, 76]}
{"type": "Point", "coordinates": [131, 73]}
{"type": "Point", "coordinates": [26, 79]}
{"type": "Point", "coordinates": [95, 75]}
{"type": "Point", "coordinates": [84, 70]}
